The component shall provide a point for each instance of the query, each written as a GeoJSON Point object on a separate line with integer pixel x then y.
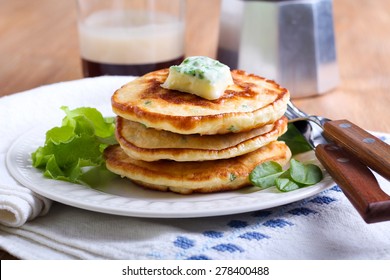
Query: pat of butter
{"type": "Point", "coordinates": [199, 75]}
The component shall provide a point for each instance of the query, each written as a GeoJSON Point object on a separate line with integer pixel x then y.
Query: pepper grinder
{"type": "Point", "coordinates": [289, 41]}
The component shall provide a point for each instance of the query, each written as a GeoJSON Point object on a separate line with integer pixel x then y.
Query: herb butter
{"type": "Point", "coordinates": [199, 75]}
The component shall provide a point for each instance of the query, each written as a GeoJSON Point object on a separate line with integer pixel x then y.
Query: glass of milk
{"type": "Point", "coordinates": [130, 37]}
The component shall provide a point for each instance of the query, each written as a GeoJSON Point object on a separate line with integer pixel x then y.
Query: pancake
{"type": "Point", "coordinates": [250, 103]}
{"type": "Point", "coordinates": [149, 144]}
{"type": "Point", "coordinates": [194, 177]}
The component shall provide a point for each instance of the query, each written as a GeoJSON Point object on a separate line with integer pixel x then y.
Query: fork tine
{"type": "Point", "coordinates": [295, 111]}
{"type": "Point", "coordinates": [289, 114]}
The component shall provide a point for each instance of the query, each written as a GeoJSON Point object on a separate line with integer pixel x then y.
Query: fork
{"type": "Point", "coordinates": [347, 167]}
{"type": "Point", "coordinates": [370, 150]}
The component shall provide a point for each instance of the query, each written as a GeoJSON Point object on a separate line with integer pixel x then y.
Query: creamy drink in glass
{"type": "Point", "coordinates": [130, 37]}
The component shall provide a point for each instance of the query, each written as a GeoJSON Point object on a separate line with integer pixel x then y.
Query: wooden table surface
{"type": "Point", "coordinates": [39, 45]}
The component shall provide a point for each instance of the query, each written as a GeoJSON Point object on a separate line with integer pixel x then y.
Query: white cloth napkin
{"type": "Point", "coordinates": [324, 226]}
{"type": "Point", "coordinates": [19, 205]}
{"type": "Point", "coordinates": [21, 112]}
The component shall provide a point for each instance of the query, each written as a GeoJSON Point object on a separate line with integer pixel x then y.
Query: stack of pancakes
{"type": "Point", "coordinates": [176, 141]}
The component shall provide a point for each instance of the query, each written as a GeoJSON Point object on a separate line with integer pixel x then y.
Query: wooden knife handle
{"type": "Point", "coordinates": [357, 182]}
{"type": "Point", "coordinates": [369, 149]}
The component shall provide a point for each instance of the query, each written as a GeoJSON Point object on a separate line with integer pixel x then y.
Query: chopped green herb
{"type": "Point", "coordinates": [232, 177]}
{"type": "Point", "coordinates": [232, 128]}
{"type": "Point", "coordinates": [245, 106]}
{"type": "Point", "coordinates": [201, 67]}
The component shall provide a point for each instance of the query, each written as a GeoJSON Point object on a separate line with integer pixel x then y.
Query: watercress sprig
{"type": "Point", "coordinates": [299, 175]}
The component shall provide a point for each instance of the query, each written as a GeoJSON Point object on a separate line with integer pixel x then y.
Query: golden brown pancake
{"type": "Point", "coordinates": [191, 177]}
{"type": "Point", "coordinates": [149, 144]}
{"type": "Point", "coordinates": [250, 103]}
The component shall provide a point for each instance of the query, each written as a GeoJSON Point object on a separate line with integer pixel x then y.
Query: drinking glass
{"type": "Point", "coordinates": [130, 37]}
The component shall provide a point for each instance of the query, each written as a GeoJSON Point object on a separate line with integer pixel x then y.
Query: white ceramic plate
{"type": "Point", "coordinates": [122, 197]}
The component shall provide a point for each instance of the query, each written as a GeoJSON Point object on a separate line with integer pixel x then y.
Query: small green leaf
{"type": "Point", "coordinates": [299, 175]}
{"type": "Point", "coordinates": [286, 185]}
{"type": "Point", "coordinates": [294, 140]}
{"type": "Point", "coordinates": [307, 174]}
{"type": "Point", "coordinates": [264, 175]}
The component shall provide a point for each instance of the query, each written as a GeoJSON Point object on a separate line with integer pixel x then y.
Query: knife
{"type": "Point", "coordinates": [369, 149]}
{"type": "Point", "coordinates": [348, 170]}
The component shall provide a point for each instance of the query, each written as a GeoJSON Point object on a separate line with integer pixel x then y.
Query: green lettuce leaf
{"type": "Point", "coordinates": [73, 149]}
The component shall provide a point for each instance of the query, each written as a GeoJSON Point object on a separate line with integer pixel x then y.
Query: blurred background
{"type": "Point", "coordinates": [39, 45]}
{"type": "Point", "coordinates": [42, 34]}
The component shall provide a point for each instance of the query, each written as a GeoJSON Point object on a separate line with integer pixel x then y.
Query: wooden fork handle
{"type": "Point", "coordinates": [369, 149]}
{"type": "Point", "coordinates": [357, 182]}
